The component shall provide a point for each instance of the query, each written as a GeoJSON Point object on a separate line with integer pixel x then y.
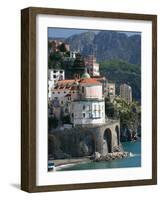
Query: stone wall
{"type": "Point", "coordinates": [84, 141]}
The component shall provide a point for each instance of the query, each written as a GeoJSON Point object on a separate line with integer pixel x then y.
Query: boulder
{"type": "Point", "coordinates": [97, 155]}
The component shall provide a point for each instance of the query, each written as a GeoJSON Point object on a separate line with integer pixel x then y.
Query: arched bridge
{"type": "Point", "coordinates": [84, 141]}
{"type": "Point", "coordinates": [104, 138]}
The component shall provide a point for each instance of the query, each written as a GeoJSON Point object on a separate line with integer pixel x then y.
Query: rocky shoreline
{"type": "Point", "coordinates": [96, 157]}
{"type": "Point", "coordinates": [110, 156]}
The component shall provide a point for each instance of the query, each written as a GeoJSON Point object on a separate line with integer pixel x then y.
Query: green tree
{"type": "Point", "coordinates": [109, 108]}
{"type": "Point", "coordinates": [79, 62]}
{"type": "Point", "coordinates": [130, 114]}
{"type": "Point", "coordinates": [52, 122]}
{"type": "Point", "coordinates": [62, 48]}
{"type": "Point", "coordinates": [66, 119]}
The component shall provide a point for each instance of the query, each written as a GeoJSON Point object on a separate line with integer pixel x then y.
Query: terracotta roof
{"type": "Point", "coordinates": [99, 78]}
{"type": "Point", "coordinates": [66, 81]}
{"type": "Point", "coordinates": [66, 84]}
{"type": "Point", "coordinates": [90, 81]}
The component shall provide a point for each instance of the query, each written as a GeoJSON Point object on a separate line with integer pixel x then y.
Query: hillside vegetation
{"type": "Point", "coordinates": [120, 71]}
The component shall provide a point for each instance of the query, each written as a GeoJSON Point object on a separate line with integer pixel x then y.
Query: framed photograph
{"type": "Point", "coordinates": [88, 99]}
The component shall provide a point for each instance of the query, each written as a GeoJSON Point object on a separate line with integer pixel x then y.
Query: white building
{"type": "Point", "coordinates": [111, 89]}
{"type": "Point", "coordinates": [82, 99]}
{"type": "Point", "coordinates": [54, 75]}
{"type": "Point", "coordinates": [90, 107]}
{"type": "Point", "coordinates": [126, 92]}
{"type": "Point", "coordinates": [88, 112]}
{"type": "Point", "coordinates": [73, 54]}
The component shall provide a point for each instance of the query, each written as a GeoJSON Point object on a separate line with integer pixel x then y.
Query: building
{"type": "Point", "coordinates": [111, 91]}
{"type": "Point", "coordinates": [92, 66]}
{"type": "Point", "coordinates": [54, 75]}
{"type": "Point", "coordinates": [77, 65]}
{"type": "Point", "coordinates": [62, 94]}
{"type": "Point", "coordinates": [89, 109]}
{"type": "Point", "coordinates": [82, 99]}
{"type": "Point", "coordinates": [73, 54]}
{"type": "Point", "coordinates": [103, 81]}
{"type": "Point", "coordinates": [126, 92]}
{"type": "Point", "coordinates": [55, 45]}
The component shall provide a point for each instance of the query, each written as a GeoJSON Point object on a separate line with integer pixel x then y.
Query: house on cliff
{"type": "Point", "coordinates": [81, 99]}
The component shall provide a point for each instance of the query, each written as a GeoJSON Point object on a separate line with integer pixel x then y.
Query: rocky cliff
{"type": "Point", "coordinates": [108, 45]}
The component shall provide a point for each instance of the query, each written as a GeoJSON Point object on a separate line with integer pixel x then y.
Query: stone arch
{"type": "Point", "coordinates": [108, 138]}
{"type": "Point", "coordinates": [88, 143]}
{"type": "Point", "coordinates": [118, 134]}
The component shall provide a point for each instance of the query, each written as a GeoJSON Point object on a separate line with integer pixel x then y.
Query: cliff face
{"type": "Point", "coordinates": [70, 143]}
{"type": "Point", "coordinates": [108, 45]}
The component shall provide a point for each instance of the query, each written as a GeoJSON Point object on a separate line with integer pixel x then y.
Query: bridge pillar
{"type": "Point", "coordinates": [107, 137]}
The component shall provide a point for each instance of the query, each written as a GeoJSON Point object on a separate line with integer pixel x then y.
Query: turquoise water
{"type": "Point", "coordinates": [134, 160]}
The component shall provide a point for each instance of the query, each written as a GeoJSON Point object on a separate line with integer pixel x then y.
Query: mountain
{"type": "Point", "coordinates": [84, 43]}
{"type": "Point", "coordinates": [108, 45]}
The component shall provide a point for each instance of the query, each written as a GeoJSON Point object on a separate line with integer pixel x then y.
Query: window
{"type": "Point", "coordinates": [72, 115]}
{"type": "Point", "coordinates": [99, 113]}
{"type": "Point", "coordinates": [89, 107]}
{"type": "Point", "coordinates": [82, 89]}
{"type": "Point", "coordinates": [95, 107]}
{"type": "Point", "coordinates": [60, 77]}
{"type": "Point", "coordinates": [54, 76]}
{"type": "Point", "coordinates": [84, 107]}
{"type": "Point", "coordinates": [61, 102]}
{"type": "Point", "coordinates": [84, 115]}
{"type": "Point", "coordinates": [61, 72]}
{"type": "Point", "coordinates": [55, 71]}
{"type": "Point", "coordinates": [99, 107]}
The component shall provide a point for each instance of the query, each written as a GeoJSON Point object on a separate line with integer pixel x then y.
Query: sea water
{"type": "Point", "coordinates": [133, 160]}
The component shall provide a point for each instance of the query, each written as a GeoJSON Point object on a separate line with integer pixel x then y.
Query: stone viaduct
{"type": "Point", "coordinates": [104, 138]}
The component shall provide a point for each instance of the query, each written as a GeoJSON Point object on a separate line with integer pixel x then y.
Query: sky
{"type": "Point", "coordinates": [67, 32]}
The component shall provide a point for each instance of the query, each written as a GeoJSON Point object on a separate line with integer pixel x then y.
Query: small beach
{"type": "Point", "coordinates": [67, 163]}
